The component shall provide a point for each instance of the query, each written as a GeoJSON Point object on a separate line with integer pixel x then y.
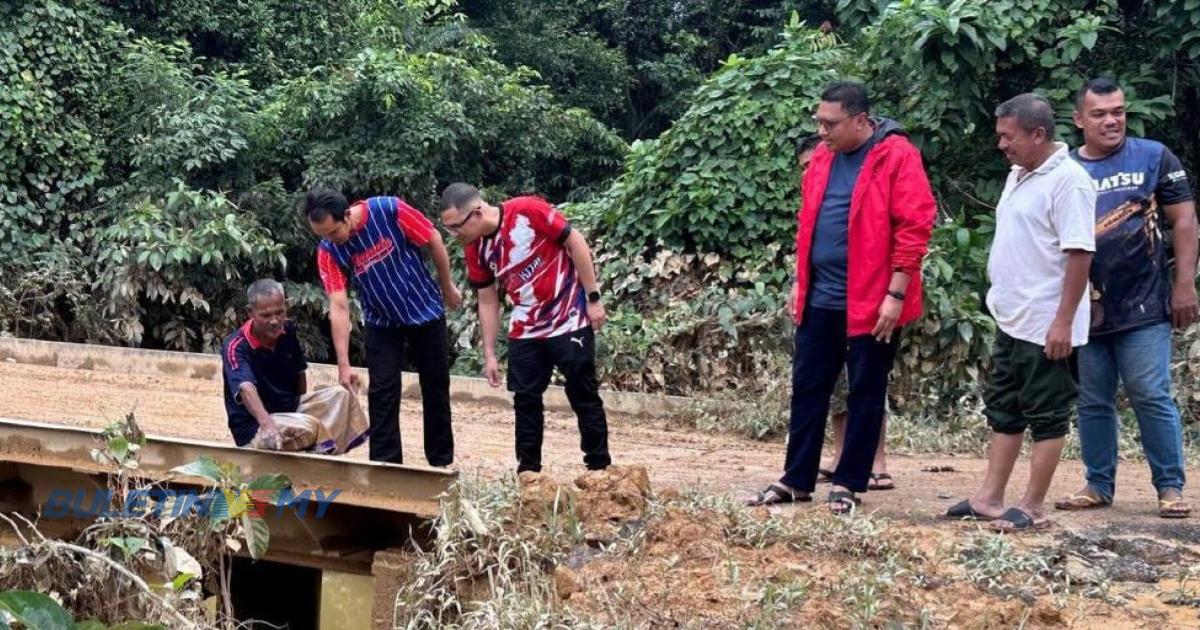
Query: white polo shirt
{"type": "Point", "coordinates": [1041, 214]}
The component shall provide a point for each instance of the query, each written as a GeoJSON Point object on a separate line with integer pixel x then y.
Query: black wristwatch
{"type": "Point", "coordinates": [896, 294]}
{"type": "Point", "coordinates": [593, 297]}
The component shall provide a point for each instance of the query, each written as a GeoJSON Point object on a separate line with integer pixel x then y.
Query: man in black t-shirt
{"type": "Point", "coordinates": [266, 389]}
{"type": "Point", "coordinates": [1142, 190]}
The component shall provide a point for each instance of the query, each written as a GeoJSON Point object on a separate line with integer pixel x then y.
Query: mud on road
{"type": "Point", "coordinates": [675, 458]}
{"type": "Point", "coordinates": [1137, 557]}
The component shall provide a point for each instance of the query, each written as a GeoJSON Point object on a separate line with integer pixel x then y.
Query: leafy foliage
{"type": "Point", "coordinates": [34, 610]}
{"type": "Point", "coordinates": [633, 64]}
{"type": "Point", "coordinates": [722, 179]}
{"type": "Point", "coordinates": [153, 152]}
{"type": "Point", "coordinates": [37, 611]}
{"type": "Point", "coordinates": [51, 71]}
{"type": "Point", "coordinates": [233, 516]}
{"type": "Point", "coordinates": [944, 354]}
{"type": "Point", "coordinates": [703, 192]}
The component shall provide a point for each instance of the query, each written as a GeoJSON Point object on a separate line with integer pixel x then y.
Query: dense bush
{"type": "Point", "coordinates": [720, 184]}
{"type": "Point", "coordinates": [632, 63]}
{"type": "Point", "coordinates": [151, 153]}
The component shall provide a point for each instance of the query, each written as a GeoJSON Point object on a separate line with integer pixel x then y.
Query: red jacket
{"type": "Point", "coordinates": [891, 219]}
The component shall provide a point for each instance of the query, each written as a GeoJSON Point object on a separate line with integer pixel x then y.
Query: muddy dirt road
{"type": "Point", "coordinates": [192, 408]}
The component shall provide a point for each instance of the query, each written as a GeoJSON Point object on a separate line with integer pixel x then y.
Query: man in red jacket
{"type": "Point", "coordinates": [859, 247]}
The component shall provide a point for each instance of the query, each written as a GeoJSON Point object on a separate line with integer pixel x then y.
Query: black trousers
{"type": "Point", "coordinates": [821, 349]}
{"type": "Point", "coordinates": [427, 345]}
{"type": "Point", "coordinates": [530, 362]}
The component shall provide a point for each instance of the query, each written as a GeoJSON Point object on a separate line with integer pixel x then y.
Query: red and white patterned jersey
{"type": "Point", "coordinates": [527, 256]}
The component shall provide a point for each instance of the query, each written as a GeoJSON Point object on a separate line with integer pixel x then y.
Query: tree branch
{"type": "Point", "coordinates": [182, 621]}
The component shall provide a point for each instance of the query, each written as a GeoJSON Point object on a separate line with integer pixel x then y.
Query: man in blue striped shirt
{"type": "Point", "coordinates": [378, 242]}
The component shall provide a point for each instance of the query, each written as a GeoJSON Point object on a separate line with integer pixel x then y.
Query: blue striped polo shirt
{"type": "Point", "coordinates": [384, 257]}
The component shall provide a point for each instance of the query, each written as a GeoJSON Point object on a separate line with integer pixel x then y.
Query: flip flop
{"type": "Point", "coordinates": [844, 498]}
{"type": "Point", "coordinates": [962, 511]}
{"type": "Point", "coordinates": [876, 485]}
{"type": "Point", "coordinates": [1020, 521]}
{"type": "Point", "coordinates": [1081, 501]}
{"type": "Point", "coordinates": [824, 475]}
{"type": "Point", "coordinates": [776, 494]}
{"type": "Point", "coordinates": [1174, 508]}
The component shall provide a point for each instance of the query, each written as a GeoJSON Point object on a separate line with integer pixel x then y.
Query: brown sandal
{"type": "Point", "coordinates": [1081, 501]}
{"type": "Point", "coordinates": [1174, 508]}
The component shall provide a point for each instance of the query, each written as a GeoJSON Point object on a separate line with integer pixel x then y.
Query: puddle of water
{"type": "Point", "coordinates": [345, 601]}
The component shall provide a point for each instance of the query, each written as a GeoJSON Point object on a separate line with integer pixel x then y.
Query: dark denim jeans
{"type": "Point", "coordinates": [821, 349]}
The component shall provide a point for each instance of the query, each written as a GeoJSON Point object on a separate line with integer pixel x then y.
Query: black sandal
{"type": "Point", "coordinates": [776, 494]}
{"type": "Point", "coordinates": [824, 475]}
{"type": "Point", "coordinates": [843, 498]}
{"type": "Point", "coordinates": [962, 511]}
{"type": "Point", "coordinates": [876, 484]}
{"type": "Point", "coordinates": [1020, 521]}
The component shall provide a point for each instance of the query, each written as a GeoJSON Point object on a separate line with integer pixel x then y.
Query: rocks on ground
{"type": "Point", "coordinates": [607, 504]}
{"type": "Point", "coordinates": [603, 501]}
{"type": "Point", "coordinates": [1097, 557]}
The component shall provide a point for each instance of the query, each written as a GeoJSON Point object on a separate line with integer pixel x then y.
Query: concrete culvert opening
{"type": "Point", "coordinates": [269, 594]}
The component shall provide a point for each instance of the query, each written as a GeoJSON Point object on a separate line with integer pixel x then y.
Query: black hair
{"type": "Point", "coordinates": [324, 202]}
{"type": "Point", "coordinates": [457, 195]}
{"type": "Point", "coordinates": [1030, 111]}
{"type": "Point", "coordinates": [807, 143]}
{"type": "Point", "coordinates": [1098, 86]}
{"type": "Point", "coordinates": [850, 94]}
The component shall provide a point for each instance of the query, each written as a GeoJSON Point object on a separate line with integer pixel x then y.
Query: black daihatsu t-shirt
{"type": "Point", "coordinates": [1131, 286]}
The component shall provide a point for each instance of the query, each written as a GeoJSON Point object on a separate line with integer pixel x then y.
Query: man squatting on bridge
{"type": "Point", "coordinates": [266, 390]}
{"type": "Point", "coordinates": [526, 245]}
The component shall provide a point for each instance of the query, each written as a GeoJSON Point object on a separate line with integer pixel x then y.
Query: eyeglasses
{"type": "Point", "coordinates": [453, 228]}
{"type": "Point", "coordinates": [828, 125]}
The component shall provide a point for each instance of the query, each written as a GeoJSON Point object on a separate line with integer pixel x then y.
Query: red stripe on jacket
{"type": "Point", "coordinates": [231, 352]}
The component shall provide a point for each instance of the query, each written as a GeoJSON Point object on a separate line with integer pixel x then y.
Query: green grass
{"type": "Point", "coordinates": [765, 417]}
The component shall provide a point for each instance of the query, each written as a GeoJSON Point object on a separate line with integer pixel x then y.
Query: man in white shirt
{"type": "Point", "coordinates": [1038, 267]}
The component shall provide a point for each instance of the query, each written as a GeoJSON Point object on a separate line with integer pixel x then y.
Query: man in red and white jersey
{"type": "Point", "coordinates": [526, 246]}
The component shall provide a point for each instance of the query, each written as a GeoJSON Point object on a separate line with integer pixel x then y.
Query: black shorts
{"type": "Point", "coordinates": [1027, 390]}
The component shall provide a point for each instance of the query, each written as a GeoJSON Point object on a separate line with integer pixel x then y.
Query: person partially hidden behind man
{"type": "Point", "coordinates": [266, 389]}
